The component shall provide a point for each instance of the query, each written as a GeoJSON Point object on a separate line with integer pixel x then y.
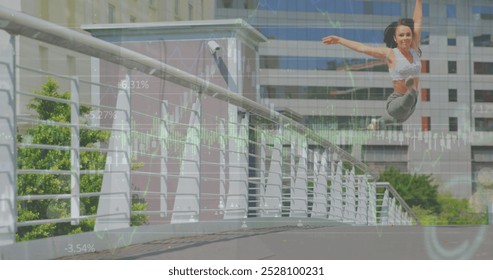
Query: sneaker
{"type": "Point", "coordinates": [373, 125]}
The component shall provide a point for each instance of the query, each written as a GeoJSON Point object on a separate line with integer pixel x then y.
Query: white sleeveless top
{"type": "Point", "coordinates": [403, 69]}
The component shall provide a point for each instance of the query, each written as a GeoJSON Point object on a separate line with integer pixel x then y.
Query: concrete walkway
{"type": "Point", "coordinates": [318, 243]}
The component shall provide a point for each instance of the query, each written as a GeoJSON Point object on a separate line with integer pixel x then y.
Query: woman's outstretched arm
{"type": "Point", "coordinates": [376, 52]}
{"type": "Point", "coordinates": [418, 22]}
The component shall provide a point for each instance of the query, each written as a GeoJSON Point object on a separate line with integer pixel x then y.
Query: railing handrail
{"type": "Point", "coordinates": [402, 202]}
{"type": "Point", "coordinates": [18, 23]}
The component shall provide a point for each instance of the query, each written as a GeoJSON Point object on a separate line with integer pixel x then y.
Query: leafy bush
{"type": "Point", "coordinates": [431, 207]}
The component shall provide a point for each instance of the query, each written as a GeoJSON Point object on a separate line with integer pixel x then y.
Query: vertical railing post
{"type": "Point", "coordinates": [292, 176]}
{"type": "Point", "coordinates": [350, 194]}
{"type": "Point", "coordinates": [222, 165]}
{"type": "Point", "coordinates": [262, 184]}
{"type": "Point", "coordinates": [273, 187]}
{"type": "Point", "coordinates": [164, 159]}
{"type": "Point", "coordinates": [336, 195]}
{"type": "Point", "coordinates": [299, 189]}
{"type": "Point", "coordinates": [320, 197]}
{"type": "Point", "coordinates": [362, 210]}
{"type": "Point", "coordinates": [199, 114]}
{"type": "Point", "coordinates": [237, 198]}
{"type": "Point", "coordinates": [408, 221]}
{"type": "Point", "coordinates": [186, 208]}
{"type": "Point", "coordinates": [392, 211]}
{"type": "Point", "coordinates": [8, 130]}
{"type": "Point", "coordinates": [95, 86]}
{"type": "Point", "coordinates": [372, 204]}
{"type": "Point", "coordinates": [384, 212]}
{"type": "Point", "coordinates": [399, 216]}
{"type": "Point", "coordinates": [114, 207]}
{"type": "Point", "coordinates": [74, 152]}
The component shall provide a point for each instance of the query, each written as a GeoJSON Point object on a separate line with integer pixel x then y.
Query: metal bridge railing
{"type": "Point", "coordinates": [208, 154]}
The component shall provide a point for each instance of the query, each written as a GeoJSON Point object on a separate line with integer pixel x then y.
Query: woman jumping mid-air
{"type": "Point", "coordinates": [402, 53]}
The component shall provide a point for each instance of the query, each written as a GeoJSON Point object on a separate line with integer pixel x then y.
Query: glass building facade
{"type": "Point", "coordinates": [338, 91]}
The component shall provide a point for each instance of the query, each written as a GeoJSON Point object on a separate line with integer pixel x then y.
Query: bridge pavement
{"type": "Point", "coordinates": [318, 243]}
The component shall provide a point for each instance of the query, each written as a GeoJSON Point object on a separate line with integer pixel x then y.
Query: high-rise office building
{"type": "Point", "coordinates": [337, 91]}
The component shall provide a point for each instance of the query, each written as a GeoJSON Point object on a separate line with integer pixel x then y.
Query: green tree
{"type": "Point", "coordinates": [34, 158]}
{"type": "Point", "coordinates": [416, 190]}
{"type": "Point", "coordinates": [431, 207]}
{"type": "Point", "coordinates": [458, 211]}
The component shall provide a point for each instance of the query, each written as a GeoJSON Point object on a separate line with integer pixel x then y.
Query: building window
{"type": "Point", "coordinates": [426, 10]}
{"type": "Point", "coordinates": [71, 65]}
{"type": "Point", "coordinates": [177, 8]}
{"type": "Point", "coordinates": [323, 63]}
{"type": "Point", "coordinates": [452, 124]}
{"type": "Point", "coordinates": [483, 124]}
{"type": "Point", "coordinates": [451, 11]}
{"type": "Point", "coordinates": [395, 153]}
{"type": "Point", "coordinates": [484, 12]}
{"type": "Point", "coordinates": [202, 9]}
{"type": "Point", "coordinates": [452, 95]}
{"type": "Point", "coordinates": [43, 58]}
{"type": "Point", "coordinates": [381, 157]}
{"type": "Point", "coordinates": [482, 162]}
{"type": "Point", "coordinates": [425, 123]}
{"type": "Point", "coordinates": [308, 33]}
{"type": "Point", "coordinates": [227, 4]}
{"type": "Point", "coordinates": [483, 96]}
{"type": "Point", "coordinates": [452, 67]}
{"type": "Point", "coordinates": [482, 153]}
{"type": "Point", "coordinates": [247, 4]}
{"type": "Point", "coordinates": [71, 14]}
{"type": "Point", "coordinates": [347, 148]}
{"type": "Point", "coordinates": [425, 66]}
{"type": "Point", "coordinates": [452, 35]}
{"type": "Point", "coordinates": [190, 11]}
{"type": "Point", "coordinates": [483, 68]}
{"type": "Point", "coordinates": [330, 123]}
{"type": "Point", "coordinates": [111, 13]}
{"type": "Point", "coordinates": [483, 40]}
{"type": "Point", "coordinates": [351, 7]}
{"type": "Point", "coordinates": [332, 93]}
{"type": "Point", "coordinates": [367, 7]}
{"type": "Point", "coordinates": [45, 9]}
{"type": "Point", "coordinates": [425, 38]}
{"type": "Point", "coordinates": [425, 95]}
